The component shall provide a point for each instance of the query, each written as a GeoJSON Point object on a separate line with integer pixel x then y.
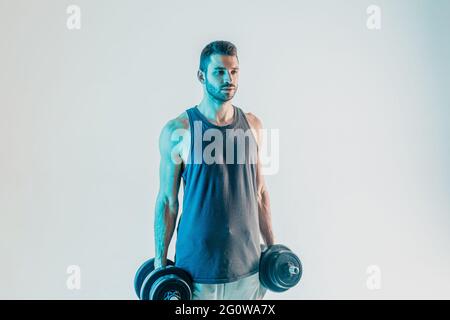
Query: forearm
{"type": "Point", "coordinates": [164, 225]}
{"type": "Point", "coordinates": [265, 220]}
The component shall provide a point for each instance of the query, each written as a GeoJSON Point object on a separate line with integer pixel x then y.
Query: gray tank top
{"type": "Point", "coordinates": [218, 238]}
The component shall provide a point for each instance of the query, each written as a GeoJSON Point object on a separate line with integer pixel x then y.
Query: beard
{"type": "Point", "coordinates": [219, 95]}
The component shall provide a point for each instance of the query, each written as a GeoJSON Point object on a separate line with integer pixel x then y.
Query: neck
{"type": "Point", "coordinates": [219, 112]}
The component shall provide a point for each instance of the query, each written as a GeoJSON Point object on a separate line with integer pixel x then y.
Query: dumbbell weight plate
{"type": "Point", "coordinates": [264, 267]}
{"type": "Point", "coordinates": [274, 268]}
{"type": "Point", "coordinates": [170, 287]}
{"type": "Point", "coordinates": [283, 276]}
{"type": "Point", "coordinates": [144, 270]}
{"type": "Point", "coordinates": [182, 282]}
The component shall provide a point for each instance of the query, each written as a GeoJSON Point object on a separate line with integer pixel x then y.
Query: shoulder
{"type": "Point", "coordinates": [255, 125]}
{"type": "Point", "coordinates": [180, 122]}
{"type": "Point", "coordinates": [253, 120]}
{"type": "Point", "coordinates": [173, 129]}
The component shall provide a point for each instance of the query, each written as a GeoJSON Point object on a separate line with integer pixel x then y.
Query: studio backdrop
{"type": "Point", "coordinates": [353, 94]}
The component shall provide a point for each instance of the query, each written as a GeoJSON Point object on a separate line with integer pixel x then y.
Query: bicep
{"type": "Point", "coordinates": [169, 179]}
{"type": "Point", "coordinates": [170, 167]}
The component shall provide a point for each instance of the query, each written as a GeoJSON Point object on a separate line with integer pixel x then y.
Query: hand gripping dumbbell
{"type": "Point", "coordinates": [279, 268]}
{"type": "Point", "coordinates": [166, 283]}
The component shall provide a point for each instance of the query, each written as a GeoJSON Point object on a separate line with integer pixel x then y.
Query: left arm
{"type": "Point", "coordinates": [264, 212]}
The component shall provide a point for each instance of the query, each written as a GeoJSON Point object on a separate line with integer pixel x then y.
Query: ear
{"type": "Point", "coordinates": [201, 76]}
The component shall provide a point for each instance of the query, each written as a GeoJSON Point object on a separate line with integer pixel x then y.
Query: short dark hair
{"type": "Point", "coordinates": [216, 47]}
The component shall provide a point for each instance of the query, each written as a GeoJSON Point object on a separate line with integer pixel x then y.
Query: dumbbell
{"type": "Point", "coordinates": [279, 268]}
{"type": "Point", "coordinates": [166, 283]}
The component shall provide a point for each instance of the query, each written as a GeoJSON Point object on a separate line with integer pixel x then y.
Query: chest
{"type": "Point", "coordinates": [230, 146]}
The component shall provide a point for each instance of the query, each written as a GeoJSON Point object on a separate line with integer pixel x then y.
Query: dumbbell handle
{"type": "Point", "coordinates": [293, 269]}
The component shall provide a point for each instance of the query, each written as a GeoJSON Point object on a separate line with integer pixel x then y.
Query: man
{"type": "Point", "coordinates": [226, 205]}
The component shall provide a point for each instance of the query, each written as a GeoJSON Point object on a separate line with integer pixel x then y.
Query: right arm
{"type": "Point", "coordinates": [166, 207]}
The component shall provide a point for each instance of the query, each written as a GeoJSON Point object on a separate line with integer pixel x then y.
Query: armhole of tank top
{"type": "Point", "coordinates": [191, 143]}
{"type": "Point", "coordinates": [248, 124]}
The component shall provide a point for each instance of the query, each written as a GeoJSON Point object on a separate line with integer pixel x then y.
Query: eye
{"type": "Point", "coordinates": [220, 72]}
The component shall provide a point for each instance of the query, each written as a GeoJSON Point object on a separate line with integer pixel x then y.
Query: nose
{"type": "Point", "coordinates": [227, 77]}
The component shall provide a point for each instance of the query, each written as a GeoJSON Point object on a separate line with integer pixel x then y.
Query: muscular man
{"type": "Point", "coordinates": [226, 205]}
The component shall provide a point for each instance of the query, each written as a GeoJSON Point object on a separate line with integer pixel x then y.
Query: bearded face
{"type": "Point", "coordinates": [221, 78]}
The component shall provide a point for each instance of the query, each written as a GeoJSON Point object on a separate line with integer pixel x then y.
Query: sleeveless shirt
{"type": "Point", "coordinates": [218, 237]}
